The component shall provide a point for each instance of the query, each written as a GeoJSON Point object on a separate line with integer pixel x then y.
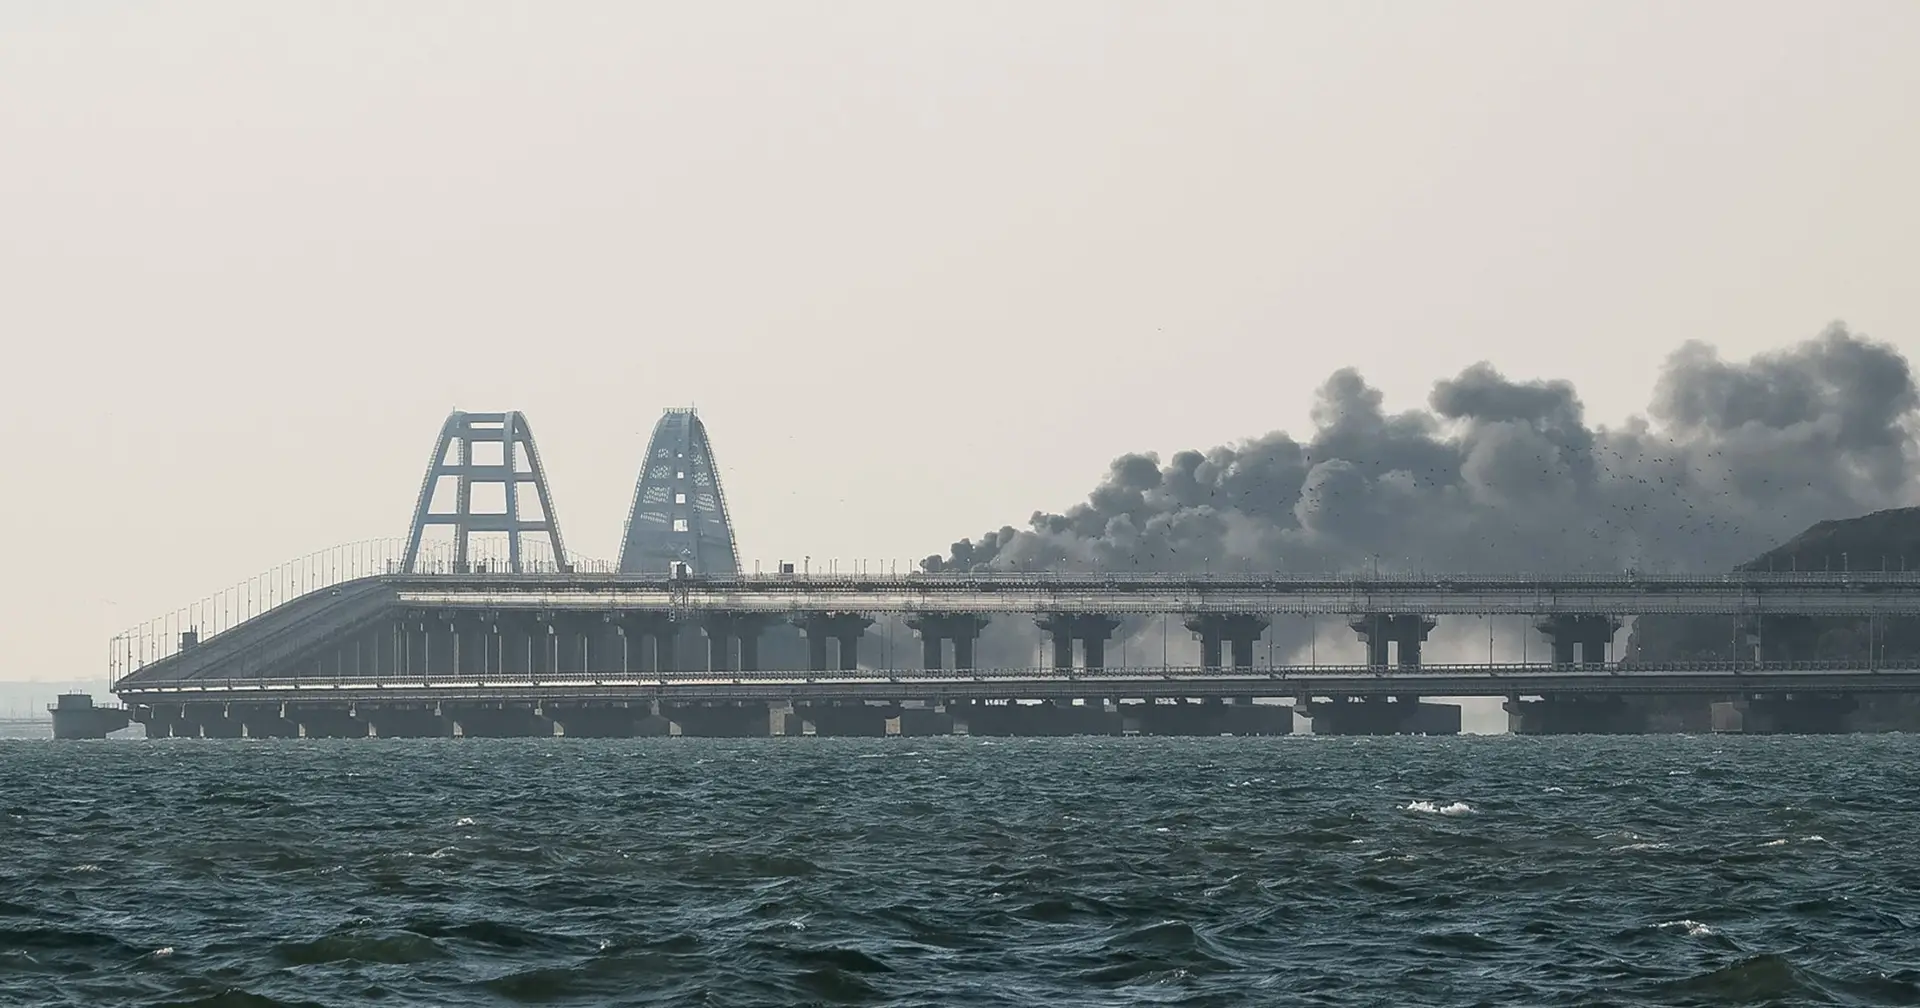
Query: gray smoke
{"type": "Point", "coordinates": [1496, 475]}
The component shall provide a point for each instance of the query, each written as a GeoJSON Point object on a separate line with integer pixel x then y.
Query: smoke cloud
{"type": "Point", "coordinates": [1496, 475]}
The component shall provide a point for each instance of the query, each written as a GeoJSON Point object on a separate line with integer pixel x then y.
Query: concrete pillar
{"type": "Point", "coordinates": [843, 627]}
{"type": "Point", "coordinates": [1096, 652]}
{"type": "Point", "coordinates": [1578, 638]}
{"type": "Point", "coordinates": [1405, 632]}
{"type": "Point", "coordinates": [1218, 631]}
{"type": "Point", "coordinates": [961, 628]}
{"type": "Point", "coordinates": [1062, 646]}
{"type": "Point", "coordinates": [931, 656]}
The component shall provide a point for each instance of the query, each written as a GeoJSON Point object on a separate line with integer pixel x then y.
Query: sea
{"type": "Point", "coordinates": [1297, 870]}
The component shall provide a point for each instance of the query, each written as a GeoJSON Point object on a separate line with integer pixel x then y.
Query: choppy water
{"type": "Point", "coordinates": [955, 872]}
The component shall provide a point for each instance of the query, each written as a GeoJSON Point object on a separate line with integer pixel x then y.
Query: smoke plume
{"type": "Point", "coordinates": [1495, 475]}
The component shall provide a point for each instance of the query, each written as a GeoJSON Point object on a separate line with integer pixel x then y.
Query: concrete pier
{"type": "Point", "coordinates": [1579, 639]}
{"type": "Point", "coordinates": [75, 716]}
{"type": "Point", "coordinates": [936, 629]}
{"type": "Point", "coordinates": [1090, 631]}
{"type": "Point", "coordinates": [1380, 716]}
{"type": "Point", "coordinates": [842, 631]}
{"type": "Point", "coordinates": [1227, 635]}
{"type": "Point", "coordinates": [1393, 639]}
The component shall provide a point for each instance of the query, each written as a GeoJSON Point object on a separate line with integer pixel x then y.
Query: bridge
{"type": "Point", "coordinates": [468, 638]}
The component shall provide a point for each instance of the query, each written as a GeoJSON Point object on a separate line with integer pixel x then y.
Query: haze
{"type": "Point", "coordinates": [924, 268]}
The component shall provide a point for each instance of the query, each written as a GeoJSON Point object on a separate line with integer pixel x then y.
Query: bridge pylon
{"type": "Point", "coordinates": [679, 514]}
{"type": "Point", "coordinates": [517, 463]}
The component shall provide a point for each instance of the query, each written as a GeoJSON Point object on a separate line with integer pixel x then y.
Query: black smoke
{"type": "Point", "coordinates": [1496, 475]}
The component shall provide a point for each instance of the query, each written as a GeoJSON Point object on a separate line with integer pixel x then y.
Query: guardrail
{"type": "Point", "coordinates": [1733, 671]}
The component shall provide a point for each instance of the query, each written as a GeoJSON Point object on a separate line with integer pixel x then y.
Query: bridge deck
{"type": "Point", "coordinates": [1031, 683]}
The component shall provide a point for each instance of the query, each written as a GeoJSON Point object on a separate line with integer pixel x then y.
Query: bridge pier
{"type": "Point", "coordinates": [75, 717]}
{"type": "Point", "coordinates": [936, 628]}
{"type": "Point", "coordinates": [1218, 632]}
{"type": "Point", "coordinates": [1577, 714]}
{"type": "Point", "coordinates": [1773, 714]}
{"type": "Point", "coordinates": [1090, 629]}
{"type": "Point", "coordinates": [733, 641]}
{"type": "Point", "coordinates": [844, 630]}
{"type": "Point", "coordinates": [1578, 639]}
{"type": "Point", "coordinates": [1403, 715]}
{"type": "Point", "coordinates": [1403, 632]}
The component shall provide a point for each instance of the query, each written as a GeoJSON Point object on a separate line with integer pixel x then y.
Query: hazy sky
{"type": "Point", "coordinates": [923, 267]}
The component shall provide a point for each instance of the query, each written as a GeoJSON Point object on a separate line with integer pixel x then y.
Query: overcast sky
{"type": "Point", "coordinates": [924, 268]}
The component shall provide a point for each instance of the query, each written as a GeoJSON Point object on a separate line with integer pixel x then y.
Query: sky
{"type": "Point", "coordinates": [923, 268]}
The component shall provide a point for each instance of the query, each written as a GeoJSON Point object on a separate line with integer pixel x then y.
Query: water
{"type": "Point", "coordinates": [1463, 871]}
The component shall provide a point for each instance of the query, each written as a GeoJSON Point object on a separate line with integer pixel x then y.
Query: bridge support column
{"type": "Point", "coordinates": [1090, 629]}
{"type": "Point", "coordinates": [1577, 714]}
{"type": "Point", "coordinates": [844, 629]}
{"type": "Point", "coordinates": [723, 630]}
{"type": "Point", "coordinates": [1581, 639]}
{"type": "Point", "coordinates": [1788, 714]}
{"type": "Point", "coordinates": [1405, 633]}
{"type": "Point", "coordinates": [1379, 716]}
{"type": "Point", "coordinates": [934, 628]}
{"type": "Point", "coordinates": [1219, 631]}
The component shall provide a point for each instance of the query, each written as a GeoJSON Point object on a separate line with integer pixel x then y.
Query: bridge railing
{"type": "Point", "coordinates": [1491, 674]}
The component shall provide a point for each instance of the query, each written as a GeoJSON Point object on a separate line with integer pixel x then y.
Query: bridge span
{"type": "Point", "coordinates": [674, 622]}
